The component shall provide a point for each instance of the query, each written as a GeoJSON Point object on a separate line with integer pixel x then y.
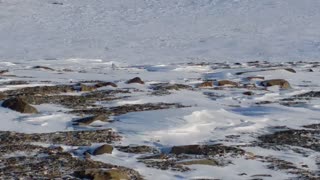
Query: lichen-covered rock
{"type": "Point", "coordinates": [17, 104]}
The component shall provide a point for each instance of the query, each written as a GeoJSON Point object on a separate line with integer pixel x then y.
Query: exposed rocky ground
{"type": "Point", "coordinates": [67, 154]}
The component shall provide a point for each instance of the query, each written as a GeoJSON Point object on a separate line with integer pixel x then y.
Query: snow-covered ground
{"type": "Point", "coordinates": [161, 41]}
{"type": "Point", "coordinates": [152, 31]}
{"type": "Point", "coordinates": [213, 114]}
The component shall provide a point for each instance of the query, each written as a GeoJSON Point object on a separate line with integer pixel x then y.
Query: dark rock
{"type": "Point", "coordinates": [276, 82]}
{"type": "Point", "coordinates": [90, 119]}
{"type": "Point", "coordinates": [104, 149]}
{"type": "Point", "coordinates": [135, 80]}
{"type": "Point", "coordinates": [248, 93]}
{"type": "Point", "coordinates": [19, 105]}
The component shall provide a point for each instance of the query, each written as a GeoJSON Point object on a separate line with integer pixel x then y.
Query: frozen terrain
{"type": "Point", "coordinates": [213, 115]}
{"type": "Point", "coordinates": [205, 106]}
{"type": "Point", "coordinates": [149, 31]}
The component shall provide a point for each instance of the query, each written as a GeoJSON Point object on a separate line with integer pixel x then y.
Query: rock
{"type": "Point", "coordinates": [248, 93]}
{"type": "Point", "coordinates": [90, 119]}
{"type": "Point", "coordinates": [84, 87]}
{"type": "Point", "coordinates": [43, 67]}
{"type": "Point", "coordinates": [227, 83]}
{"type": "Point", "coordinates": [104, 149]}
{"type": "Point", "coordinates": [276, 82]}
{"type": "Point", "coordinates": [135, 80]}
{"type": "Point", "coordinates": [104, 84]}
{"type": "Point", "coordinates": [216, 149]}
{"type": "Point", "coordinates": [2, 96]}
{"type": "Point", "coordinates": [19, 105]}
{"type": "Point", "coordinates": [205, 84]}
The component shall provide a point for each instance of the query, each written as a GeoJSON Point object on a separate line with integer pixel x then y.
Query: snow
{"type": "Point", "coordinates": [152, 31]}
{"type": "Point", "coordinates": [118, 40]}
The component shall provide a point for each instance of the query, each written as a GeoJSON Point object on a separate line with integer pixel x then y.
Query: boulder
{"type": "Point", "coordinates": [135, 80]}
{"type": "Point", "coordinates": [104, 149]}
{"type": "Point", "coordinates": [276, 82]}
{"type": "Point", "coordinates": [17, 104]}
